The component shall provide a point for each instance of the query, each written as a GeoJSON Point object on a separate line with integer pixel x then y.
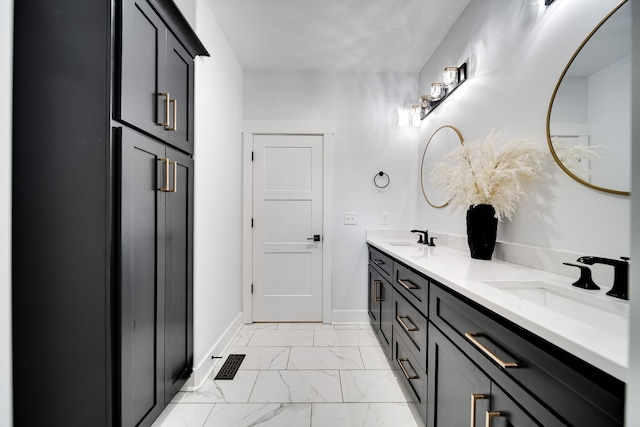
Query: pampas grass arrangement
{"type": "Point", "coordinates": [489, 173]}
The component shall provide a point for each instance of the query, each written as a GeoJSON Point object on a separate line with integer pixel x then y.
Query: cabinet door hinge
{"type": "Point", "coordinates": [252, 156]}
{"type": "Point", "coordinates": [251, 222]}
{"type": "Point", "coordinates": [252, 288]}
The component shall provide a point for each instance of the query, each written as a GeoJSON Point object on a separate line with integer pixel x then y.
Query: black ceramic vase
{"type": "Point", "coordinates": [482, 226]}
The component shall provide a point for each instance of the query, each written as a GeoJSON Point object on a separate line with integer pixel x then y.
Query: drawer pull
{"type": "Point", "coordinates": [174, 127]}
{"type": "Point", "coordinates": [404, 370]}
{"type": "Point", "coordinates": [408, 284]}
{"type": "Point", "coordinates": [490, 416]}
{"type": "Point", "coordinates": [378, 261]}
{"type": "Point", "coordinates": [404, 325]}
{"type": "Point", "coordinates": [472, 337]}
{"type": "Point", "coordinates": [377, 284]}
{"type": "Point", "coordinates": [474, 402]}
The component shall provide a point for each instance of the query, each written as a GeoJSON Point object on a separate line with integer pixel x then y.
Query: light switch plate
{"type": "Point", "coordinates": [384, 218]}
{"type": "Point", "coordinates": [349, 218]}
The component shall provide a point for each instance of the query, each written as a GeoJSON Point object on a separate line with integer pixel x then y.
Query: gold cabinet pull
{"type": "Point", "coordinates": [471, 336]}
{"type": "Point", "coordinates": [408, 284]}
{"type": "Point", "coordinates": [166, 188]}
{"type": "Point", "coordinates": [474, 403]}
{"type": "Point", "coordinates": [376, 284]}
{"type": "Point", "coordinates": [175, 115]}
{"type": "Point", "coordinates": [378, 261]}
{"type": "Point", "coordinates": [404, 370]}
{"type": "Point", "coordinates": [490, 416]}
{"type": "Point", "coordinates": [166, 108]}
{"type": "Point", "coordinates": [404, 325]}
{"type": "Point", "coordinates": [175, 177]}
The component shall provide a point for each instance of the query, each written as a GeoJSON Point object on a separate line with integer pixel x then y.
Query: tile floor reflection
{"type": "Point", "coordinates": [298, 375]}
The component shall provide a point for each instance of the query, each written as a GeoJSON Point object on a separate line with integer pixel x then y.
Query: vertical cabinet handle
{"type": "Point", "coordinates": [175, 177]}
{"type": "Point", "coordinates": [377, 284]}
{"type": "Point", "coordinates": [175, 115]}
{"type": "Point", "coordinates": [166, 108]}
{"type": "Point", "coordinates": [166, 188]}
{"type": "Point", "coordinates": [474, 403]}
{"type": "Point", "coordinates": [490, 416]}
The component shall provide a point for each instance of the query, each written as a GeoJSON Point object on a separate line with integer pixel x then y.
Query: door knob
{"type": "Point", "coordinates": [315, 238]}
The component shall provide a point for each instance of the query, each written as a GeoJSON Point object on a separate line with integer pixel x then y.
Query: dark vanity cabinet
{"type": "Point", "coordinates": [461, 364]}
{"type": "Point", "coordinates": [102, 206]}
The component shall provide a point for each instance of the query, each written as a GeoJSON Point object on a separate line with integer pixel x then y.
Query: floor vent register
{"type": "Point", "coordinates": [230, 367]}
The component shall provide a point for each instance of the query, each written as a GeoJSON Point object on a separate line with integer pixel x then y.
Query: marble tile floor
{"type": "Point", "coordinates": [298, 375]}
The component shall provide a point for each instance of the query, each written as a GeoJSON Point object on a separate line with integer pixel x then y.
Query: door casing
{"type": "Point", "coordinates": [270, 127]}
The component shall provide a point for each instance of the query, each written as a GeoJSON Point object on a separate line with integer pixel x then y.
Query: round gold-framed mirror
{"type": "Point", "coordinates": [589, 115]}
{"type": "Point", "coordinates": [442, 141]}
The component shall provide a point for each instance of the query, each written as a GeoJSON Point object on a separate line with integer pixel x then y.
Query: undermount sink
{"type": "Point", "coordinates": [574, 303]}
{"type": "Point", "coordinates": [400, 243]}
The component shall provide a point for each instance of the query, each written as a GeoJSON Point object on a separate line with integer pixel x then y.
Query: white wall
{"type": "Point", "coordinates": [516, 53]}
{"type": "Point", "coordinates": [633, 389]}
{"type": "Point", "coordinates": [6, 68]}
{"type": "Point", "coordinates": [218, 189]}
{"type": "Point", "coordinates": [368, 139]}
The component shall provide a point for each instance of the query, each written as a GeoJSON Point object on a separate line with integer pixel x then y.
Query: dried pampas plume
{"type": "Point", "coordinates": [489, 173]}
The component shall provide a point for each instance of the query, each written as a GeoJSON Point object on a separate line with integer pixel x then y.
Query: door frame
{"type": "Point", "coordinates": [274, 127]}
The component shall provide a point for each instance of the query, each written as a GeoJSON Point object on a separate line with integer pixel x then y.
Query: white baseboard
{"type": "Point", "coordinates": [349, 316]}
{"type": "Point", "coordinates": [206, 366]}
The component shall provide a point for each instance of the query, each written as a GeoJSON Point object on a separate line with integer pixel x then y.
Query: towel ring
{"type": "Point", "coordinates": [381, 175]}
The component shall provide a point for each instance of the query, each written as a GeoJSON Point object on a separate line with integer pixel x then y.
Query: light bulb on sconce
{"type": "Point", "coordinates": [414, 118]}
{"type": "Point", "coordinates": [450, 77]}
{"type": "Point", "coordinates": [424, 102]}
{"type": "Point", "coordinates": [436, 92]}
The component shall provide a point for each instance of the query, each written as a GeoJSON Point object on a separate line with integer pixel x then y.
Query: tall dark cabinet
{"type": "Point", "coordinates": [102, 292]}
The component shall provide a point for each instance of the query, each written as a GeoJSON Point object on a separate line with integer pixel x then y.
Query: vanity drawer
{"type": "Point", "coordinates": [412, 325]}
{"type": "Point", "coordinates": [383, 262]}
{"type": "Point", "coordinates": [411, 375]}
{"type": "Point", "coordinates": [413, 286]}
{"type": "Point", "coordinates": [546, 380]}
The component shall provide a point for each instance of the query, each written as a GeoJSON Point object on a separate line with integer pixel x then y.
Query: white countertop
{"type": "Point", "coordinates": [602, 342]}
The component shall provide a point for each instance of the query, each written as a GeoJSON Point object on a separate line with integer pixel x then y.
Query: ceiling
{"type": "Point", "coordinates": [335, 35]}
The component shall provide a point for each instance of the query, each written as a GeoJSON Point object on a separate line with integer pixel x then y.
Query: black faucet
{"type": "Point", "coordinates": [423, 236]}
{"type": "Point", "coordinates": [620, 287]}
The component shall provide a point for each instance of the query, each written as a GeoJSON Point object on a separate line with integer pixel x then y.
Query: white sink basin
{"type": "Point", "coordinates": [401, 243]}
{"type": "Point", "coordinates": [594, 309]}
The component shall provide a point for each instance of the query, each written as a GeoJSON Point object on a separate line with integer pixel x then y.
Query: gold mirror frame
{"type": "Point", "coordinates": [553, 97]}
{"type": "Point", "coordinates": [424, 154]}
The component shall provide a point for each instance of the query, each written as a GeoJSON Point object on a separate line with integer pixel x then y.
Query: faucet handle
{"type": "Point", "coordinates": [431, 243]}
{"type": "Point", "coordinates": [586, 280]}
{"type": "Point", "coordinates": [625, 258]}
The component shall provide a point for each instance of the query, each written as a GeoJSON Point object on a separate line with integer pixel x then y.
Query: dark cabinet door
{"type": "Point", "coordinates": [178, 320]}
{"type": "Point", "coordinates": [505, 412]}
{"type": "Point", "coordinates": [373, 298]}
{"type": "Point", "coordinates": [143, 44]}
{"type": "Point", "coordinates": [177, 76]}
{"type": "Point", "coordinates": [142, 278]}
{"type": "Point", "coordinates": [156, 77]}
{"type": "Point", "coordinates": [386, 313]}
{"type": "Point", "coordinates": [457, 388]}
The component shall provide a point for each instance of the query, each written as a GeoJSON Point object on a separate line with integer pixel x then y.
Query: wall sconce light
{"type": "Point", "coordinates": [436, 93]}
{"type": "Point", "coordinates": [452, 78]}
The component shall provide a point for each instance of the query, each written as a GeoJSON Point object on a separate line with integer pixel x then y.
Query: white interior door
{"type": "Point", "coordinates": [287, 203]}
